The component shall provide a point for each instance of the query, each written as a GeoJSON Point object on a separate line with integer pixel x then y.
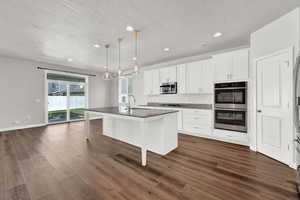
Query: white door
{"type": "Point", "coordinates": [274, 123]}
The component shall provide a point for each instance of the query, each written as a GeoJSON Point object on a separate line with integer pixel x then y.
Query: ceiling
{"type": "Point", "coordinates": [54, 30]}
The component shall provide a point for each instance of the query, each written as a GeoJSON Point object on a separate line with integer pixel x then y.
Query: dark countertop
{"type": "Point", "coordinates": [181, 105]}
{"type": "Point", "coordinates": [134, 112]}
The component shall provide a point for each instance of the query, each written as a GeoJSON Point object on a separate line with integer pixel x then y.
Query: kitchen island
{"type": "Point", "coordinates": [150, 129]}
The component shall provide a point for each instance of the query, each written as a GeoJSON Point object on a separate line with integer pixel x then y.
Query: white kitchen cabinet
{"type": "Point", "coordinates": [155, 82]}
{"type": "Point", "coordinates": [240, 67]}
{"type": "Point", "coordinates": [197, 122]}
{"type": "Point", "coordinates": [168, 74]}
{"type": "Point", "coordinates": [151, 82]}
{"type": "Point", "coordinates": [223, 66]}
{"type": "Point", "coordinates": [193, 77]}
{"type": "Point", "coordinates": [181, 79]}
{"type": "Point", "coordinates": [232, 65]}
{"type": "Point", "coordinates": [199, 77]}
{"type": "Point", "coordinates": [148, 82]}
{"type": "Point", "coordinates": [179, 119]}
{"type": "Point", "coordinates": [207, 77]}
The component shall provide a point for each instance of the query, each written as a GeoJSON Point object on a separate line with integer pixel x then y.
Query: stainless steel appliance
{"type": "Point", "coordinates": [296, 119]}
{"type": "Point", "coordinates": [231, 95]}
{"type": "Point", "coordinates": [168, 88]}
{"type": "Point", "coordinates": [231, 106]}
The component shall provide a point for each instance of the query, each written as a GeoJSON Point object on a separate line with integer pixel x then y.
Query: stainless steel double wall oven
{"type": "Point", "coordinates": [231, 106]}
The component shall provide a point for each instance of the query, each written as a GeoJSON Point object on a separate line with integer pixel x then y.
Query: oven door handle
{"type": "Point", "coordinates": [231, 109]}
{"type": "Point", "coordinates": [231, 88]}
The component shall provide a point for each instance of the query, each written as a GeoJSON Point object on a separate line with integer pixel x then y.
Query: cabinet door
{"type": "Point", "coordinates": [155, 82]}
{"type": "Point", "coordinates": [207, 77]}
{"type": "Point", "coordinates": [181, 79]}
{"type": "Point", "coordinates": [163, 75]}
{"type": "Point", "coordinates": [172, 74]}
{"type": "Point", "coordinates": [223, 66]}
{"type": "Point", "coordinates": [240, 64]}
{"type": "Point", "coordinates": [179, 119]}
{"type": "Point", "coordinates": [148, 82]}
{"type": "Point", "coordinates": [193, 77]}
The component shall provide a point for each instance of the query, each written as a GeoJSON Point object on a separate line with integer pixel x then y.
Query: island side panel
{"type": "Point", "coordinates": [158, 134]}
{"type": "Point", "coordinates": [170, 130]}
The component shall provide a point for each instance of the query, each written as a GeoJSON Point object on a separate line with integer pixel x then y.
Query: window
{"type": "Point", "coordinates": [125, 89]}
{"type": "Point", "coordinates": [66, 97]}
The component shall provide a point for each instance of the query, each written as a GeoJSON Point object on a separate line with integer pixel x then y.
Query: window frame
{"type": "Point", "coordinates": [86, 91]}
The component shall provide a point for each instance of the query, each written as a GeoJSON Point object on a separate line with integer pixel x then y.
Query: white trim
{"type": "Point", "coordinates": [253, 133]}
{"type": "Point", "coordinates": [22, 127]}
{"type": "Point", "coordinates": [214, 137]}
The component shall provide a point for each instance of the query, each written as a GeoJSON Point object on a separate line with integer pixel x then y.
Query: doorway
{"type": "Point", "coordinates": [66, 97]}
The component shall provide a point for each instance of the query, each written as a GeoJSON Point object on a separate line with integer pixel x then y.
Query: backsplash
{"type": "Point", "coordinates": [196, 99]}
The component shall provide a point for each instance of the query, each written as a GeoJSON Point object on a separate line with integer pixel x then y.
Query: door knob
{"type": "Point", "coordinates": [259, 111]}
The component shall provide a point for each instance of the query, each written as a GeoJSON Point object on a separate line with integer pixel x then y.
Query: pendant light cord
{"type": "Point", "coordinates": [136, 51]}
{"type": "Point", "coordinates": [107, 46]}
{"type": "Point", "coordinates": [119, 40]}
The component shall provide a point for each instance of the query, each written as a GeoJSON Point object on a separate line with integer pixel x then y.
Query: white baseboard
{"type": "Point", "coordinates": [22, 127]}
{"type": "Point", "coordinates": [215, 137]}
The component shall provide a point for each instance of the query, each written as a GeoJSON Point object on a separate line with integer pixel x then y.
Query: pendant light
{"type": "Point", "coordinates": [107, 75]}
{"type": "Point", "coordinates": [136, 67]}
{"type": "Point", "coordinates": [119, 68]}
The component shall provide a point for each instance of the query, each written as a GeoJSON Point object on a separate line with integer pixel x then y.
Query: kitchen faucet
{"type": "Point", "coordinates": [129, 100]}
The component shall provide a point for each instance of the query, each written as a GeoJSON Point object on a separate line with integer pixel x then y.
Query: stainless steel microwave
{"type": "Point", "coordinates": [168, 88]}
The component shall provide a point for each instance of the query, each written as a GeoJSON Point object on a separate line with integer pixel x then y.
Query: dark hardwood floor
{"type": "Point", "coordinates": [56, 162]}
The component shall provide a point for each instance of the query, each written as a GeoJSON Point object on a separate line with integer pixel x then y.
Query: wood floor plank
{"type": "Point", "coordinates": [57, 163]}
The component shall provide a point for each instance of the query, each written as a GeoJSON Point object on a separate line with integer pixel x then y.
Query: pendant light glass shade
{"type": "Point", "coordinates": [107, 75]}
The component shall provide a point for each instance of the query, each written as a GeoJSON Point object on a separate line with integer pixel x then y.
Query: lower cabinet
{"type": "Point", "coordinates": [197, 122]}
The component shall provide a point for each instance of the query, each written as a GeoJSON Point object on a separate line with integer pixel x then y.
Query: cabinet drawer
{"type": "Point", "coordinates": [197, 129]}
{"type": "Point", "coordinates": [203, 120]}
{"type": "Point", "coordinates": [197, 112]}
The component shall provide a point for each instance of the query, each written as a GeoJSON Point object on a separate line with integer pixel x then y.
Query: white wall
{"type": "Point", "coordinates": [281, 34]}
{"type": "Point", "coordinates": [23, 92]}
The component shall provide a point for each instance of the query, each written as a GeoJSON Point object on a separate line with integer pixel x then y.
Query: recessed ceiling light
{"type": "Point", "coordinates": [218, 34]}
{"type": "Point", "coordinates": [167, 49]}
{"type": "Point", "coordinates": [96, 45]}
{"type": "Point", "coordinates": [70, 59]}
{"type": "Point", "coordinates": [129, 28]}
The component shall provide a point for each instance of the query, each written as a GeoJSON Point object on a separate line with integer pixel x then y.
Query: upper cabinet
{"type": "Point", "coordinates": [195, 77]}
{"type": "Point", "coordinates": [199, 77]}
{"type": "Point", "coordinates": [232, 65]}
{"type": "Point", "coordinates": [181, 79]}
{"type": "Point", "coordinates": [151, 82]}
{"type": "Point", "coordinates": [168, 75]}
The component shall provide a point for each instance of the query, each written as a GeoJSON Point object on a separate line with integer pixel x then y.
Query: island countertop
{"type": "Point", "coordinates": [134, 112]}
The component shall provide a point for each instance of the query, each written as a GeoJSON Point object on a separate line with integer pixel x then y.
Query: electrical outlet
{"type": "Point", "coordinates": [28, 117]}
{"type": "Point", "coordinates": [17, 122]}
{"type": "Point", "coordinates": [37, 100]}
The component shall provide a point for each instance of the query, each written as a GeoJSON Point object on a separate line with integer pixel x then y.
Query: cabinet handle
{"type": "Point", "coordinates": [196, 127]}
